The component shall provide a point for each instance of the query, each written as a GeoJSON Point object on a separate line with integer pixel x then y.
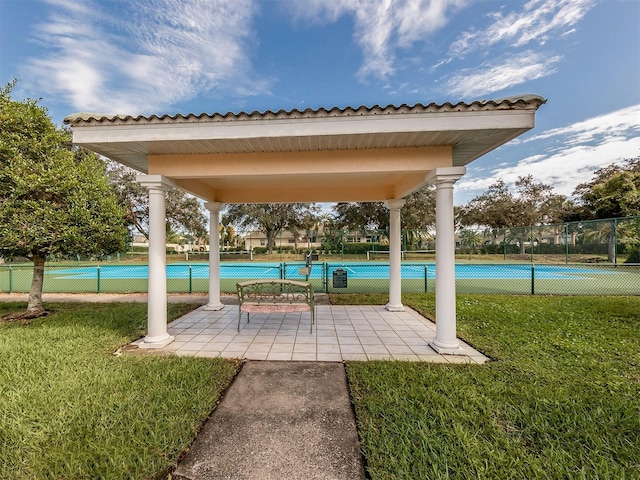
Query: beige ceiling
{"type": "Point", "coordinates": [363, 154]}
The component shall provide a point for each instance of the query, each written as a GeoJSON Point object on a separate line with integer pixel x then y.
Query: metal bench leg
{"type": "Point", "coordinates": [240, 317]}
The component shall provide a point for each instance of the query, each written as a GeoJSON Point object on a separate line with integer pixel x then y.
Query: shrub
{"type": "Point", "coordinates": [633, 254]}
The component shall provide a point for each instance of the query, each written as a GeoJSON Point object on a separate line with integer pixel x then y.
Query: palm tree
{"type": "Point", "coordinates": [470, 239]}
{"type": "Point", "coordinates": [603, 232]}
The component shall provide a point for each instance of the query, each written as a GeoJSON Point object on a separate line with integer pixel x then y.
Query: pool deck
{"type": "Point", "coordinates": [341, 333]}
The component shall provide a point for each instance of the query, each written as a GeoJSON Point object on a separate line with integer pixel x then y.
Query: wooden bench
{"type": "Point", "coordinates": [275, 296]}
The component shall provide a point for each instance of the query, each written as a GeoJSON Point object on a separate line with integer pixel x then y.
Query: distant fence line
{"type": "Point", "coordinates": [614, 241]}
{"type": "Point", "coordinates": [607, 240]}
{"type": "Point", "coordinates": [338, 277]}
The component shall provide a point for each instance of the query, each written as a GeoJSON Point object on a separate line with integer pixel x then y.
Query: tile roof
{"type": "Point", "coordinates": [521, 102]}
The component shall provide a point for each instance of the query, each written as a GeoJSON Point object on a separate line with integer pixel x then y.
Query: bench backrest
{"type": "Point", "coordinates": [275, 291]}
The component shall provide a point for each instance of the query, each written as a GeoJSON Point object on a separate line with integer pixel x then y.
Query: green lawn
{"type": "Point", "coordinates": [71, 409]}
{"type": "Point", "coordinates": [561, 398]}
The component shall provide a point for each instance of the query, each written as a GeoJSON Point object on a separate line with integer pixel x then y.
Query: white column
{"type": "Point", "coordinates": [214, 256]}
{"type": "Point", "coordinates": [395, 256]}
{"type": "Point", "coordinates": [446, 340]}
{"type": "Point", "coordinates": [157, 335]}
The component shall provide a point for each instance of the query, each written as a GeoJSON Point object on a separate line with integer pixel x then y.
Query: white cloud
{"type": "Point", "coordinates": [585, 147]}
{"type": "Point", "coordinates": [471, 82]}
{"type": "Point", "coordinates": [538, 21]}
{"type": "Point", "coordinates": [143, 56]}
{"type": "Point", "coordinates": [624, 123]}
{"type": "Point", "coordinates": [520, 32]}
{"type": "Point", "coordinates": [382, 26]}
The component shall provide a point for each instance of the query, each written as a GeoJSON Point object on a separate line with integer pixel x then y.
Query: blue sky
{"type": "Point", "coordinates": [170, 56]}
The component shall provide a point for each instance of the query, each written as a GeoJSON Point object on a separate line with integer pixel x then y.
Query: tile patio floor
{"type": "Point", "coordinates": [340, 333]}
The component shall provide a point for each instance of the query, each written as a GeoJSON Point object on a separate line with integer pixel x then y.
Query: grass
{"type": "Point", "coordinates": [71, 409]}
{"type": "Point", "coordinates": [560, 399]}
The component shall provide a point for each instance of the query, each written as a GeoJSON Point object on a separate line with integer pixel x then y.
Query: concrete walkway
{"type": "Point", "coordinates": [279, 421]}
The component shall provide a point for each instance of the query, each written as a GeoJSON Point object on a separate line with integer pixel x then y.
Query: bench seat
{"type": "Point", "coordinates": [275, 296]}
{"type": "Point", "coordinates": [251, 307]}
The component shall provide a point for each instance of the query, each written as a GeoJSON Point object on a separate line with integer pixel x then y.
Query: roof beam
{"type": "Point", "coordinates": [302, 163]}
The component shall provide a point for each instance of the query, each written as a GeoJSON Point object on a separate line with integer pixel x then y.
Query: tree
{"type": "Point", "coordinates": [470, 239]}
{"type": "Point", "coordinates": [498, 208]}
{"type": "Point", "coordinates": [271, 218]}
{"type": "Point", "coordinates": [306, 222]}
{"type": "Point", "coordinates": [361, 215]}
{"type": "Point", "coordinates": [55, 200]}
{"type": "Point", "coordinates": [613, 192]}
{"type": "Point", "coordinates": [228, 237]}
{"type": "Point", "coordinates": [184, 213]}
{"type": "Point", "coordinates": [418, 213]}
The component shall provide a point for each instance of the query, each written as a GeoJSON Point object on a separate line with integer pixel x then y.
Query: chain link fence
{"type": "Point", "coordinates": [339, 277]}
{"type": "Point", "coordinates": [613, 241]}
{"type": "Point", "coordinates": [577, 258]}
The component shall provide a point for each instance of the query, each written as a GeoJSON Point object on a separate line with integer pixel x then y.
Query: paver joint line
{"type": "Point", "coordinates": [404, 336]}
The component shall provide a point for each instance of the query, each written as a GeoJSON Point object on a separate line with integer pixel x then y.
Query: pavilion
{"type": "Point", "coordinates": [336, 155]}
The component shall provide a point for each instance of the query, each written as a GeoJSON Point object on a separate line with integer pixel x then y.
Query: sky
{"type": "Point", "coordinates": [194, 56]}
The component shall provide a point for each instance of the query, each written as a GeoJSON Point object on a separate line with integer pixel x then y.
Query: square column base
{"type": "Point", "coordinates": [446, 349]}
{"type": "Point", "coordinates": [394, 308]}
{"type": "Point", "coordinates": [151, 345]}
{"type": "Point", "coordinates": [213, 307]}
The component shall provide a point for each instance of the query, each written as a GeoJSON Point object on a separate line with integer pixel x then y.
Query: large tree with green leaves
{"type": "Point", "coordinates": [613, 192]}
{"type": "Point", "coordinates": [271, 218]}
{"type": "Point", "coordinates": [184, 213]}
{"type": "Point", "coordinates": [419, 212]}
{"type": "Point", "coordinates": [54, 200]}
{"type": "Point", "coordinates": [531, 204]}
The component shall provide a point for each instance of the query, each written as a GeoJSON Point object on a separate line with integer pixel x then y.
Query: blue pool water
{"type": "Point", "coordinates": [354, 271]}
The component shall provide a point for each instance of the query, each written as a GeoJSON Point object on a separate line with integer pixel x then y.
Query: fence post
{"type": "Point", "coordinates": [425, 278]}
{"type": "Point", "coordinates": [281, 268]}
{"type": "Point", "coordinates": [190, 280]}
{"type": "Point", "coordinates": [10, 279]}
{"type": "Point", "coordinates": [531, 242]}
{"type": "Point", "coordinates": [98, 278]}
{"type": "Point", "coordinates": [615, 241]}
{"type": "Point", "coordinates": [533, 279]}
{"type": "Point", "coordinates": [566, 243]}
{"type": "Point", "coordinates": [326, 277]}
{"type": "Point", "coordinates": [504, 242]}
